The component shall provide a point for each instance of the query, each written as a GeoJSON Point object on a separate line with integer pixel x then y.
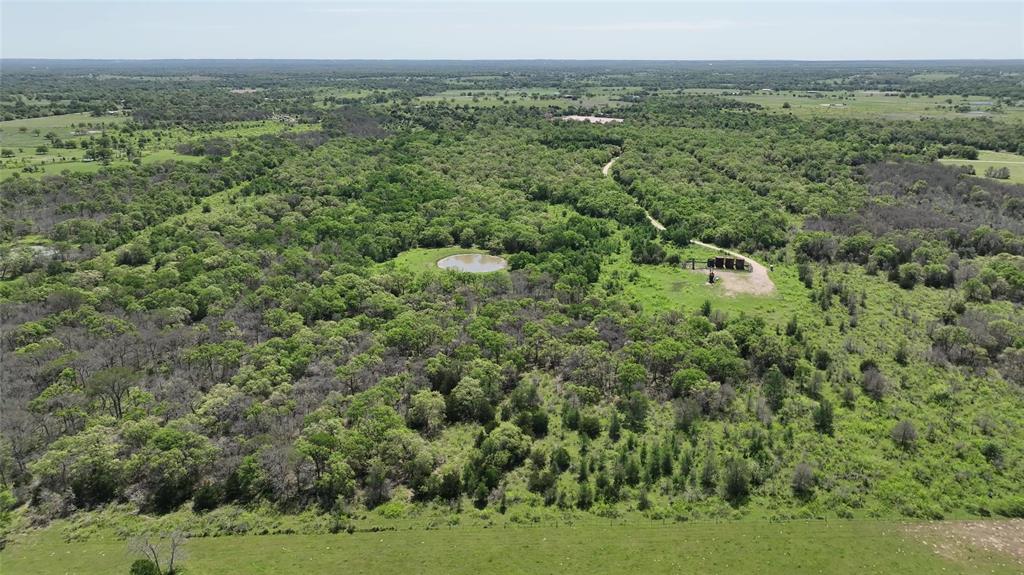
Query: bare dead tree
{"type": "Point", "coordinates": [161, 548]}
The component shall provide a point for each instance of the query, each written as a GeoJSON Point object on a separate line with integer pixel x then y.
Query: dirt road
{"type": "Point", "coordinates": [754, 282]}
{"type": "Point", "coordinates": [608, 167]}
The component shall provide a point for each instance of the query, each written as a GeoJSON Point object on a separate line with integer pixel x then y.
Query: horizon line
{"type": "Point", "coordinates": [261, 59]}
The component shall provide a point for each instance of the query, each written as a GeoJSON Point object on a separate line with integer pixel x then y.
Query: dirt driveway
{"type": "Point", "coordinates": [754, 282]}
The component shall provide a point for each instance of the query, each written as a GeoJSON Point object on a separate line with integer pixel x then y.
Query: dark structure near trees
{"type": "Point", "coordinates": [727, 263]}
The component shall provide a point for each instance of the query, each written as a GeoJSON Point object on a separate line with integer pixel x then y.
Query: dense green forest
{"type": "Point", "coordinates": [262, 327]}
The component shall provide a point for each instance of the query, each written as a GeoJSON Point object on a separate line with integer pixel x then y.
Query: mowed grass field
{"type": "Point", "coordinates": [737, 548]}
{"type": "Point", "coordinates": [987, 159]}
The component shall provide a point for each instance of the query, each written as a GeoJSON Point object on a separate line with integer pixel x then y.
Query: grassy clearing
{"type": "Point", "coordinates": [321, 94]}
{"type": "Point", "coordinates": [22, 137]}
{"type": "Point", "coordinates": [65, 122]}
{"type": "Point", "coordinates": [171, 137]}
{"type": "Point", "coordinates": [660, 288]}
{"type": "Point", "coordinates": [55, 167]}
{"type": "Point", "coordinates": [892, 313]}
{"type": "Point", "coordinates": [987, 159]}
{"type": "Point", "coordinates": [160, 144]}
{"type": "Point", "coordinates": [425, 259]}
{"type": "Point", "coordinates": [707, 548]}
{"type": "Point", "coordinates": [874, 104]}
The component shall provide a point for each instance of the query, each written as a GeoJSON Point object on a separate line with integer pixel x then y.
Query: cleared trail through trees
{"type": "Point", "coordinates": [608, 167]}
{"type": "Point", "coordinates": [755, 282]}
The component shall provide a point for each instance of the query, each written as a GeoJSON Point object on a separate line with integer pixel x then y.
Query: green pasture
{"type": "Point", "coordinates": [733, 548]}
{"type": "Point", "coordinates": [660, 288]}
{"type": "Point", "coordinates": [171, 137]}
{"type": "Point", "coordinates": [157, 145]}
{"type": "Point", "coordinates": [76, 165]}
{"type": "Point", "coordinates": [988, 159]}
{"type": "Point", "coordinates": [321, 93]}
{"type": "Point", "coordinates": [11, 132]}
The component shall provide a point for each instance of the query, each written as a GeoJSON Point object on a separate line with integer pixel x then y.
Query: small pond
{"type": "Point", "coordinates": [473, 263]}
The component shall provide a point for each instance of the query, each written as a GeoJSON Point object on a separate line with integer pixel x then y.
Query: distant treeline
{"type": "Point", "coordinates": [199, 90]}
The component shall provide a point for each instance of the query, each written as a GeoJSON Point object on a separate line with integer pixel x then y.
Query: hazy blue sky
{"type": "Point", "coordinates": [821, 30]}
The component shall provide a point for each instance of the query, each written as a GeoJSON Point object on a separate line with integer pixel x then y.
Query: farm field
{"type": "Point", "coordinates": [700, 548]}
{"type": "Point", "coordinates": [989, 159]}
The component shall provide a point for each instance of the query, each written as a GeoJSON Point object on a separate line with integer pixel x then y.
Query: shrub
{"type": "Point", "coordinates": [904, 435]}
{"type": "Point", "coordinates": [393, 509]}
{"type": "Point", "coordinates": [736, 477]}
{"type": "Point", "coordinates": [902, 354]}
{"type": "Point", "coordinates": [133, 255]}
{"type": "Point", "coordinates": [997, 173]}
{"type": "Point", "coordinates": [874, 384]}
{"type": "Point", "coordinates": [560, 460]}
{"type": "Point", "coordinates": [822, 359]}
{"type": "Point", "coordinates": [634, 409]}
{"type": "Point", "coordinates": [1012, 506]}
{"type": "Point", "coordinates": [823, 416]}
{"type": "Point", "coordinates": [585, 496]}
{"type": "Point", "coordinates": [207, 498]}
{"type": "Point", "coordinates": [849, 397]}
{"type": "Point", "coordinates": [687, 413]}
{"type": "Point", "coordinates": [570, 417]}
{"type": "Point", "coordinates": [803, 480]}
{"type": "Point", "coordinates": [774, 387]}
{"type": "Point", "coordinates": [614, 427]}
{"type": "Point", "coordinates": [144, 567]}
{"type": "Point", "coordinates": [590, 425]}
{"type": "Point", "coordinates": [806, 274]}
{"type": "Point", "coordinates": [709, 475]}
{"type": "Point", "coordinates": [910, 274]}
{"type": "Point", "coordinates": [643, 501]}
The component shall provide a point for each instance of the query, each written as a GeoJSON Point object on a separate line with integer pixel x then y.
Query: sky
{"type": "Point", "coordinates": [681, 30]}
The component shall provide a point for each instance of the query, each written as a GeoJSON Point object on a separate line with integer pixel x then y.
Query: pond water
{"type": "Point", "coordinates": [473, 263]}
